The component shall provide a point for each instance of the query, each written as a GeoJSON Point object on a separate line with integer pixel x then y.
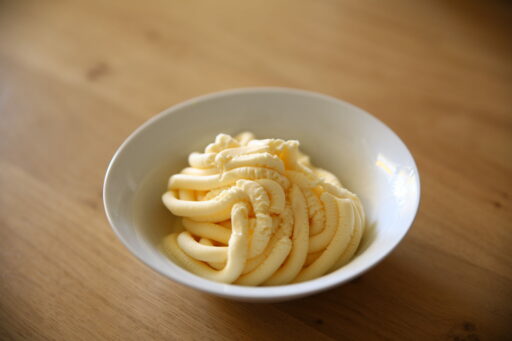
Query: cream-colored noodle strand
{"type": "Point", "coordinates": [199, 251]}
{"type": "Point", "coordinates": [214, 210]}
{"type": "Point", "coordinates": [283, 226]}
{"type": "Point", "coordinates": [320, 241]}
{"type": "Point", "coordinates": [198, 171]}
{"type": "Point", "coordinates": [352, 246]}
{"type": "Point", "coordinates": [270, 264]}
{"type": "Point", "coordinates": [202, 161]}
{"type": "Point", "coordinates": [336, 247]}
{"type": "Point", "coordinates": [209, 182]}
{"type": "Point", "coordinates": [316, 212]}
{"type": "Point", "coordinates": [297, 256]}
{"type": "Point", "coordinates": [222, 142]}
{"type": "Point", "coordinates": [260, 204]}
{"type": "Point", "coordinates": [276, 194]}
{"type": "Point", "coordinates": [237, 250]}
{"type": "Point", "coordinates": [215, 265]}
{"type": "Point", "coordinates": [211, 231]}
{"type": "Point", "coordinates": [265, 160]}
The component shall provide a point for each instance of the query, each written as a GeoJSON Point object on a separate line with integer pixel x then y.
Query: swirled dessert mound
{"type": "Point", "coordinates": [257, 212]}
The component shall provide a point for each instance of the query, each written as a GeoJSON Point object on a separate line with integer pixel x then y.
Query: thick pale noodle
{"type": "Point", "coordinates": [257, 212]}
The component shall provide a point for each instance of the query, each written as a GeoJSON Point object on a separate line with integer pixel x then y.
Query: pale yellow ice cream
{"type": "Point", "coordinates": [257, 212]}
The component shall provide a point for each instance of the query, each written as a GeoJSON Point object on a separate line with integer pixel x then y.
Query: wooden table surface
{"type": "Point", "coordinates": [76, 77]}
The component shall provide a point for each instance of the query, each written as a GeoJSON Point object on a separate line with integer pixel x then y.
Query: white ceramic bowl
{"type": "Point", "coordinates": [364, 153]}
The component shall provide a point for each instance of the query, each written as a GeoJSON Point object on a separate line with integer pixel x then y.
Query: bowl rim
{"type": "Point", "coordinates": [282, 292]}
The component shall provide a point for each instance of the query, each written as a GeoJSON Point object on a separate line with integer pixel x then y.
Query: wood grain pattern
{"type": "Point", "coordinates": [76, 77]}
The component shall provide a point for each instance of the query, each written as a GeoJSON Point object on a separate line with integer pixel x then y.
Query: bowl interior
{"type": "Point", "coordinates": [367, 156]}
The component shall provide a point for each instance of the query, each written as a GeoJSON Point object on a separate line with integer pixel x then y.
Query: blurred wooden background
{"type": "Point", "coordinates": [76, 77]}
